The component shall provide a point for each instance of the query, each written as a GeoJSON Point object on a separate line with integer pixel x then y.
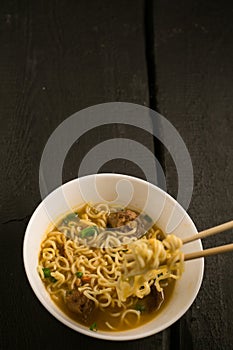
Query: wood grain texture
{"type": "Point", "coordinates": [194, 55]}
{"type": "Point", "coordinates": [57, 58]}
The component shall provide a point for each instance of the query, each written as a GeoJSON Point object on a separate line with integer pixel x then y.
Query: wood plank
{"type": "Point", "coordinates": [58, 58]}
{"type": "Point", "coordinates": [61, 59]}
{"type": "Point", "coordinates": [194, 55]}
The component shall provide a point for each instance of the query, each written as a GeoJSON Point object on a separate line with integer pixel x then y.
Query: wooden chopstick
{"type": "Point", "coordinates": [211, 251]}
{"type": "Point", "coordinates": [211, 231]}
{"type": "Point", "coordinates": [207, 252]}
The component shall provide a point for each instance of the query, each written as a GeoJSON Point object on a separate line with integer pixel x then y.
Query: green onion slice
{"type": "Point", "coordinates": [93, 327]}
{"type": "Point", "coordinates": [140, 307]}
{"type": "Point", "coordinates": [70, 217]}
{"type": "Point", "coordinates": [47, 272]}
{"type": "Point", "coordinates": [88, 231]}
{"type": "Point", "coordinates": [147, 218]}
{"type": "Point", "coordinates": [53, 279]}
{"type": "Point", "coordinates": [79, 274]}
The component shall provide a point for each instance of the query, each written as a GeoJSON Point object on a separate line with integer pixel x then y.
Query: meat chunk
{"type": "Point", "coordinates": [151, 302]}
{"type": "Point", "coordinates": [121, 218]}
{"type": "Point", "coordinates": [77, 302]}
{"type": "Point", "coordinates": [154, 299]}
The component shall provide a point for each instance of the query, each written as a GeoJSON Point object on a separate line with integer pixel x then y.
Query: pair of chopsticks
{"type": "Point", "coordinates": [209, 232]}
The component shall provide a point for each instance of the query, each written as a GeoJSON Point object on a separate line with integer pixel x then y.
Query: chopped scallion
{"type": "Point", "coordinates": [79, 274]}
{"type": "Point", "coordinates": [53, 279]}
{"type": "Point", "coordinates": [88, 231]}
{"type": "Point", "coordinates": [47, 272]}
{"type": "Point", "coordinates": [70, 217]}
{"type": "Point", "coordinates": [147, 218]}
{"type": "Point", "coordinates": [93, 327]}
{"type": "Point", "coordinates": [140, 307]}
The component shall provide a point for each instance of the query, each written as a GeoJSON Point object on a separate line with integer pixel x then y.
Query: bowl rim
{"type": "Point", "coordinates": [111, 336]}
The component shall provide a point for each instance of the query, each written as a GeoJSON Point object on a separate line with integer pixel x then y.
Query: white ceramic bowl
{"type": "Point", "coordinates": [123, 189]}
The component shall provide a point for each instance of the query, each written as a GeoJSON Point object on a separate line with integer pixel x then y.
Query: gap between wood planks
{"type": "Point", "coordinates": [172, 336]}
{"type": "Point", "coordinates": [149, 36]}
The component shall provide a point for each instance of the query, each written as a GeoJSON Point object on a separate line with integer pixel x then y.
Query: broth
{"type": "Point", "coordinates": [101, 317]}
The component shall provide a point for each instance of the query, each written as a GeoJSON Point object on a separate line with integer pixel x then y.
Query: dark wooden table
{"type": "Point", "coordinates": [58, 57]}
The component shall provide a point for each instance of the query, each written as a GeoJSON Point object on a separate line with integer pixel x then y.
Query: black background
{"type": "Point", "coordinates": [58, 57]}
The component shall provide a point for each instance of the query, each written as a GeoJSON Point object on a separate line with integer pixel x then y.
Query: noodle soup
{"type": "Point", "coordinates": [109, 268]}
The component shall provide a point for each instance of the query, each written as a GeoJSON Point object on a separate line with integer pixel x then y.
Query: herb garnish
{"type": "Point", "coordinates": [93, 327]}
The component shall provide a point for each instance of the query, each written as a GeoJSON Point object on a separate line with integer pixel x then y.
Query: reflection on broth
{"type": "Point", "coordinates": [109, 268]}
